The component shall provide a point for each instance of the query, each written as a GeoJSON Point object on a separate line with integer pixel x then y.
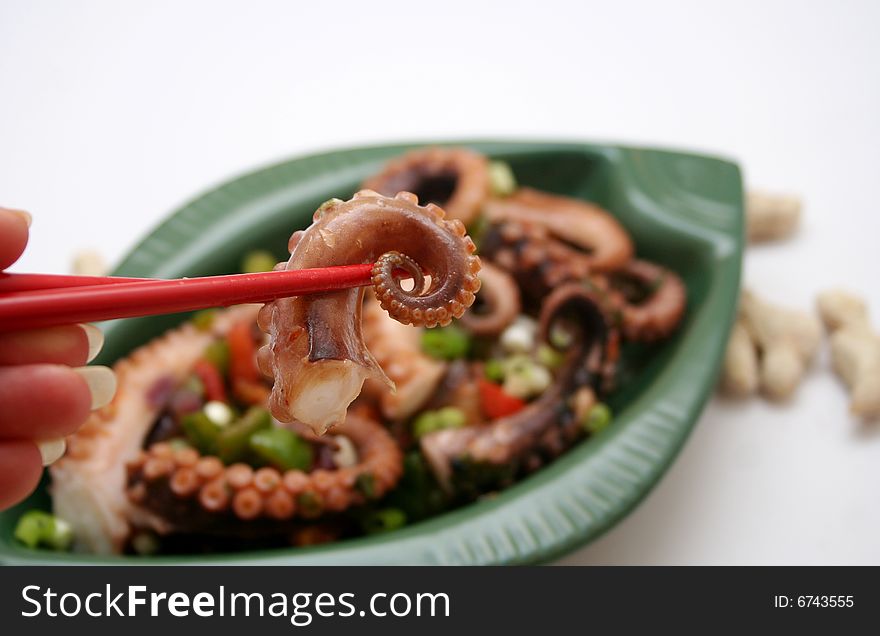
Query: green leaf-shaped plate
{"type": "Point", "coordinates": [683, 210]}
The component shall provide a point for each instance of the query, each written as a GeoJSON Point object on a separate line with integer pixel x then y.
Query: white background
{"type": "Point", "coordinates": [114, 113]}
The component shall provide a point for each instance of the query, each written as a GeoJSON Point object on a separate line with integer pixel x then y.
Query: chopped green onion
{"type": "Point", "coordinates": [204, 320]}
{"type": "Point", "coordinates": [446, 343]}
{"type": "Point", "coordinates": [282, 448]}
{"type": "Point", "coordinates": [233, 442]}
{"type": "Point", "coordinates": [430, 421]}
{"type": "Point", "coordinates": [560, 337]}
{"type": "Point", "coordinates": [178, 443]}
{"type": "Point", "coordinates": [501, 179]}
{"type": "Point", "coordinates": [258, 261]}
{"type": "Point", "coordinates": [217, 353]}
{"type": "Point", "coordinates": [325, 207]}
{"type": "Point", "coordinates": [201, 431]}
{"type": "Point", "coordinates": [219, 412]}
{"type": "Point", "coordinates": [524, 378]}
{"type": "Point", "coordinates": [346, 453]}
{"type": "Point", "coordinates": [384, 520]}
{"type": "Point", "coordinates": [37, 528]}
{"type": "Point", "coordinates": [520, 336]}
{"type": "Point", "coordinates": [145, 543]}
{"type": "Point", "coordinates": [597, 418]}
{"type": "Point", "coordinates": [494, 370]}
{"type": "Point", "coordinates": [550, 357]}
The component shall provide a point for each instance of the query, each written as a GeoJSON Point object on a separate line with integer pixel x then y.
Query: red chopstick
{"type": "Point", "coordinates": [29, 301]}
{"type": "Point", "coordinates": [30, 282]}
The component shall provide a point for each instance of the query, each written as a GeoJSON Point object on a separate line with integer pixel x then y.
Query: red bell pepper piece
{"type": "Point", "coordinates": [211, 379]}
{"type": "Point", "coordinates": [495, 402]}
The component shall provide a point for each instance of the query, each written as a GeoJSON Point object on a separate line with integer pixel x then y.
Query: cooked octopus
{"type": "Point", "coordinates": [652, 300]}
{"type": "Point", "coordinates": [456, 179]}
{"type": "Point", "coordinates": [537, 262]}
{"type": "Point", "coordinates": [515, 382]}
{"type": "Point", "coordinates": [317, 353]}
{"type": "Point", "coordinates": [589, 227]}
{"type": "Point", "coordinates": [497, 303]}
{"type": "Point", "coordinates": [88, 483]}
{"type": "Point", "coordinates": [396, 347]}
{"type": "Point", "coordinates": [507, 441]}
{"type": "Point", "coordinates": [183, 491]}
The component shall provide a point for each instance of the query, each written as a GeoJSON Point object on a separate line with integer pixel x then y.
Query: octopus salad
{"type": "Point", "coordinates": [486, 346]}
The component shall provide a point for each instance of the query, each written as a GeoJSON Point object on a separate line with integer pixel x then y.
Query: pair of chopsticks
{"type": "Point", "coordinates": [30, 301]}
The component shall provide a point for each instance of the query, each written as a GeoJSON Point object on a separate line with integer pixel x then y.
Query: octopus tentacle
{"type": "Point", "coordinates": [498, 303]}
{"type": "Point", "coordinates": [457, 179]}
{"type": "Point", "coordinates": [318, 356]}
{"type": "Point", "coordinates": [179, 490]}
{"type": "Point", "coordinates": [507, 441]}
{"type": "Point", "coordinates": [657, 315]}
{"type": "Point", "coordinates": [88, 483]}
{"type": "Point", "coordinates": [577, 222]}
{"type": "Point", "coordinates": [537, 262]}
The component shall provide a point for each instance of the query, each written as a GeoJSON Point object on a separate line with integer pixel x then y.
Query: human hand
{"type": "Point", "coordinates": [46, 391]}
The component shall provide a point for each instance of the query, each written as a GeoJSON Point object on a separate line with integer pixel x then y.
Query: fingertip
{"type": "Point", "coordinates": [21, 467]}
{"type": "Point", "coordinates": [70, 345]}
{"type": "Point", "coordinates": [43, 401]}
{"type": "Point", "coordinates": [14, 226]}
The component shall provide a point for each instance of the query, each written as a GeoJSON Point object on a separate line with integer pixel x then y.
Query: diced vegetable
{"type": "Point", "coordinates": [494, 370]}
{"type": "Point", "coordinates": [145, 543]}
{"type": "Point", "coordinates": [524, 378]}
{"type": "Point", "coordinates": [242, 353]}
{"type": "Point", "coordinates": [37, 528]}
{"type": "Point", "coordinates": [328, 204]}
{"type": "Point", "coordinates": [233, 442]}
{"type": "Point", "coordinates": [282, 448]}
{"type": "Point", "coordinates": [520, 336]}
{"type": "Point", "coordinates": [549, 357]}
{"type": "Point", "coordinates": [501, 179]}
{"type": "Point", "coordinates": [345, 454]}
{"type": "Point", "coordinates": [215, 389]}
{"type": "Point", "coordinates": [495, 402]}
{"type": "Point", "coordinates": [201, 431]}
{"type": "Point", "coordinates": [178, 443]}
{"type": "Point", "coordinates": [560, 337]}
{"type": "Point", "coordinates": [383, 520]}
{"type": "Point", "coordinates": [446, 343]}
{"type": "Point", "coordinates": [217, 353]}
{"type": "Point", "coordinates": [219, 412]}
{"type": "Point", "coordinates": [258, 261]}
{"type": "Point", "coordinates": [597, 418]}
{"type": "Point", "coordinates": [430, 421]}
{"type": "Point", "coordinates": [204, 320]}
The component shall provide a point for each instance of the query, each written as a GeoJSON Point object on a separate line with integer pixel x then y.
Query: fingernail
{"type": "Point", "coordinates": [96, 340]}
{"type": "Point", "coordinates": [102, 384]}
{"type": "Point", "coordinates": [51, 450]}
{"type": "Point", "coordinates": [24, 215]}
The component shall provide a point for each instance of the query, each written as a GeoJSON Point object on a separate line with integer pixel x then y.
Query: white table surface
{"type": "Point", "coordinates": [114, 113]}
